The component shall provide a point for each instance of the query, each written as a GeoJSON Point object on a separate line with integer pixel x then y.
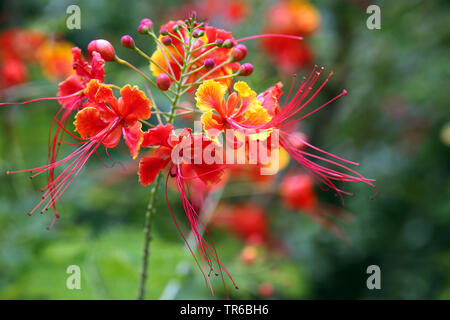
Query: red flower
{"type": "Point", "coordinates": [102, 122]}
{"type": "Point", "coordinates": [288, 55]}
{"type": "Point", "coordinates": [297, 191]}
{"type": "Point", "coordinates": [248, 222]}
{"type": "Point", "coordinates": [84, 72]}
{"type": "Point", "coordinates": [12, 72]}
{"type": "Point", "coordinates": [292, 17]}
{"type": "Point", "coordinates": [103, 110]}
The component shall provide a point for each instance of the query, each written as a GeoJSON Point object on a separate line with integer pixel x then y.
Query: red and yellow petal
{"type": "Point", "coordinates": [88, 122]}
{"type": "Point", "coordinates": [211, 121]}
{"type": "Point", "coordinates": [133, 137]}
{"type": "Point", "coordinates": [209, 96]}
{"type": "Point", "coordinates": [149, 167]}
{"type": "Point", "coordinates": [256, 114]}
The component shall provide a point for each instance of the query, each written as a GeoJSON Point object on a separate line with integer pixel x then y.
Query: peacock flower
{"type": "Point", "coordinates": [102, 122]}
{"type": "Point", "coordinates": [292, 17]}
{"type": "Point", "coordinates": [122, 115]}
{"type": "Point", "coordinates": [300, 149]}
{"type": "Point", "coordinates": [251, 114]}
{"type": "Point", "coordinates": [298, 193]}
{"type": "Point", "coordinates": [248, 222]}
{"type": "Point", "coordinates": [239, 111]}
{"type": "Point", "coordinates": [55, 59]}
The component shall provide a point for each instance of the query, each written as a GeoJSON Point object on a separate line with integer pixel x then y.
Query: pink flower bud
{"type": "Point", "coordinates": [209, 63]}
{"type": "Point", "coordinates": [147, 22]}
{"type": "Point", "coordinates": [167, 40]}
{"type": "Point", "coordinates": [164, 32]}
{"type": "Point", "coordinates": [229, 43]}
{"type": "Point", "coordinates": [104, 48]}
{"type": "Point", "coordinates": [163, 82]}
{"type": "Point", "coordinates": [219, 42]}
{"type": "Point", "coordinates": [127, 42]}
{"type": "Point", "coordinates": [246, 69]}
{"type": "Point", "coordinates": [142, 29]}
{"type": "Point", "coordinates": [239, 52]}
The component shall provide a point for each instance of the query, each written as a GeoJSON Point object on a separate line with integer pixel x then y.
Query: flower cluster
{"type": "Point", "coordinates": [240, 130]}
{"type": "Point", "coordinates": [292, 17]}
{"type": "Point", "coordinates": [22, 47]}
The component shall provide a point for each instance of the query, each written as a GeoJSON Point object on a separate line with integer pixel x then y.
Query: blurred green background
{"type": "Point", "coordinates": [392, 122]}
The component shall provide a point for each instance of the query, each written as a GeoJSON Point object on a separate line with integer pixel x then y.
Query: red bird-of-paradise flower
{"type": "Point", "coordinates": [247, 221]}
{"type": "Point", "coordinates": [103, 121]}
{"type": "Point", "coordinates": [241, 110]}
{"type": "Point", "coordinates": [178, 153]}
{"type": "Point", "coordinates": [284, 117]}
{"type": "Point", "coordinates": [298, 193]}
{"type": "Point", "coordinates": [71, 96]}
{"type": "Point", "coordinates": [292, 17]}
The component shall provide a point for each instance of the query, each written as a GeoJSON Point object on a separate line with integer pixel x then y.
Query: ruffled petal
{"type": "Point", "coordinates": [209, 96]}
{"type": "Point", "coordinates": [134, 104]}
{"type": "Point", "coordinates": [244, 90]}
{"type": "Point", "coordinates": [97, 66]}
{"type": "Point", "coordinates": [70, 86]}
{"type": "Point", "coordinates": [209, 122]}
{"type": "Point", "coordinates": [88, 122]}
{"type": "Point", "coordinates": [149, 167]}
{"type": "Point", "coordinates": [157, 136]}
{"type": "Point", "coordinates": [256, 114]}
{"type": "Point", "coordinates": [133, 137]}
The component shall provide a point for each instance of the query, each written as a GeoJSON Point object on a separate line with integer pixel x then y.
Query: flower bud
{"type": "Point", "coordinates": [142, 29]}
{"type": "Point", "coordinates": [164, 32]}
{"type": "Point", "coordinates": [209, 63]}
{"type": "Point", "coordinates": [147, 22]}
{"type": "Point", "coordinates": [104, 48]}
{"type": "Point", "coordinates": [239, 52]}
{"type": "Point", "coordinates": [246, 69]}
{"type": "Point", "coordinates": [229, 43]}
{"type": "Point", "coordinates": [219, 42]}
{"type": "Point", "coordinates": [197, 33]}
{"type": "Point", "coordinates": [127, 42]}
{"type": "Point", "coordinates": [163, 82]}
{"type": "Point", "coordinates": [167, 40]}
{"type": "Point", "coordinates": [176, 27]}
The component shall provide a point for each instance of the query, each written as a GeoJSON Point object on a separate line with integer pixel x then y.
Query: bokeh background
{"type": "Point", "coordinates": [395, 121]}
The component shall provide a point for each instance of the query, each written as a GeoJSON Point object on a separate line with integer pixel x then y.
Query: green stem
{"type": "Point", "coordinates": [150, 212]}
{"type": "Point", "coordinates": [149, 215]}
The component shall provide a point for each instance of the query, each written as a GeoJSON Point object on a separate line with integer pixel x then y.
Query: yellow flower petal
{"type": "Point", "coordinates": [244, 90]}
{"type": "Point", "coordinates": [256, 114]}
{"type": "Point", "coordinates": [209, 95]}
